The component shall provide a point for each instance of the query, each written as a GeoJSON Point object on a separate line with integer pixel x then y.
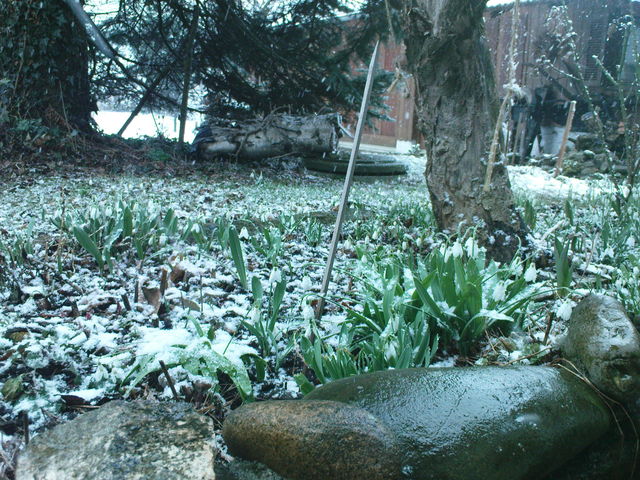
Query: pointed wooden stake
{"type": "Point", "coordinates": [565, 138]}
{"type": "Point", "coordinates": [347, 183]}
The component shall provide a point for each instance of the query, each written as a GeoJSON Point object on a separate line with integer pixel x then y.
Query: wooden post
{"type": "Point", "coordinates": [347, 183]}
{"type": "Point", "coordinates": [565, 137]}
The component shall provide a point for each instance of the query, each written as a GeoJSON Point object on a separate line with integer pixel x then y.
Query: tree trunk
{"type": "Point", "coordinates": [43, 54]}
{"type": "Point", "coordinates": [273, 136]}
{"type": "Point", "coordinates": [457, 110]}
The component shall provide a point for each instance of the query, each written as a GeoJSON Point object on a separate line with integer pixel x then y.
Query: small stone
{"type": "Point", "coordinates": [313, 440]}
{"type": "Point", "coordinates": [139, 440]}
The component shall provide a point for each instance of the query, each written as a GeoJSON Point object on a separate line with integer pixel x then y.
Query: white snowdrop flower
{"type": "Point", "coordinates": [631, 242]}
{"type": "Point", "coordinates": [367, 239]}
{"type": "Point", "coordinates": [275, 277]}
{"type": "Point", "coordinates": [636, 271]}
{"type": "Point", "coordinates": [244, 234]}
{"type": "Point", "coordinates": [531, 274]}
{"type": "Point", "coordinates": [608, 253]}
{"type": "Point", "coordinates": [390, 351]}
{"type": "Point", "coordinates": [564, 311]}
{"type": "Point", "coordinates": [405, 245]}
{"type": "Point", "coordinates": [347, 245]}
{"type": "Point", "coordinates": [456, 250]}
{"type": "Point", "coordinates": [255, 315]}
{"type": "Point", "coordinates": [500, 292]}
{"type": "Point", "coordinates": [306, 283]}
{"type": "Point", "coordinates": [307, 312]}
{"type": "Point", "coordinates": [419, 242]}
{"type": "Point", "coordinates": [471, 247]}
{"type": "Point", "coordinates": [162, 241]}
{"type": "Point", "coordinates": [376, 235]}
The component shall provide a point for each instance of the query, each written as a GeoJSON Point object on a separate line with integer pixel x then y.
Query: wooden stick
{"type": "Point", "coordinates": [169, 381]}
{"type": "Point", "coordinates": [565, 138]}
{"type": "Point", "coordinates": [518, 139]}
{"type": "Point", "coordinates": [547, 330]}
{"type": "Point", "coordinates": [164, 281]}
{"type": "Point", "coordinates": [347, 183]}
{"type": "Point", "coordinates": [147, 94]}
{"type": "Point", "coordinates": [125, 301]}
{"type": "Point", "coordinates": [25, 427]}
{"type": "Point", "coordinates": [188, 64]}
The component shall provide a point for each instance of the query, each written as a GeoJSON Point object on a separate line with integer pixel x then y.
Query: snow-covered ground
{"type": "Point", "coordinates": [68, 337]}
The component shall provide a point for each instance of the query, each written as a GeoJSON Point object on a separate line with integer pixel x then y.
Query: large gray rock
{"type": "Point", "coordinates": [314, 440]}
{"type": "Point", "coordinates": [602, 342]}
{"type": "Point", "coordinates": [124, 441]}
{"type": "Point", "coordinates": [498, 423]}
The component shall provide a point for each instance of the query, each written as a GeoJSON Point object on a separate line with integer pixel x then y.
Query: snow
{"type": "Point", "coordinates": [155, 341]}
{"type": "Point", "coordinates": [145, 124]}
{"type": "Point", "coordinates": [539, 183]}
{"type": "Point", "coordinates": [88, 394]}
{"type": "Point", "coordinates": [93, 341]}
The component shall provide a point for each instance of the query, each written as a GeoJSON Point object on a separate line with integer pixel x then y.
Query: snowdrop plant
{"type": "Point", "coordinates": [463, 295]}
{"type": "Point", "coordinates": [15, 251]}
{"type": "Point", "coordinates": [365, 346]}
{"type": "Point", "coordinates": [197, 358]}
{"type": "Point", "coordinates": [455, 289]}
{"type": "Point", "coordinates": [105, 232]}
{"type": "Point", "coordinates": [564, 266]}
{"type": "Point", "coordinates": [270, 245]}
{"type": "Point", "coordinates": [263, 316]}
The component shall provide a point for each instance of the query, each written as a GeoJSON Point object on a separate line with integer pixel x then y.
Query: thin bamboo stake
{"type": "Point", "coordinates": [347, 183]}
{"type": "Point", "coordinates": [565, 138]}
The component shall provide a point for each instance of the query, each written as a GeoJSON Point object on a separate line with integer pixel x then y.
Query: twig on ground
{"type": "Point", "coordinates": [169, 381]}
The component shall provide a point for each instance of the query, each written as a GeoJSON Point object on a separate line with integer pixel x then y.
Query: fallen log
{"type": "Point", "coordinates": [273, 136]}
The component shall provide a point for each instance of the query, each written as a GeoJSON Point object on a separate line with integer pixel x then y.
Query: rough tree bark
{"type": "Point", "coordinates": [457, 108]}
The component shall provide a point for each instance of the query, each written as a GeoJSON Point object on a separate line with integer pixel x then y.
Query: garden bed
{"type": "Point", "coordinates": [217, 274]}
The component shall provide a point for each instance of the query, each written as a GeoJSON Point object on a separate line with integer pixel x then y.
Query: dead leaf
{"type": "Point", "coordinates": [177, 274]}
{"type": "Point", "coordinates": [153, 296]}
{"type": "Point", "coordinates": [190, 304]}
